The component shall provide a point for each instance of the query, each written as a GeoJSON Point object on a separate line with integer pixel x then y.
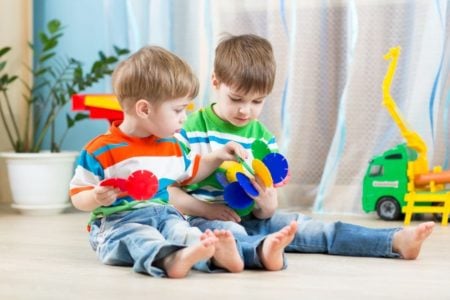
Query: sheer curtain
{"type": "Point", "coordinates": [325, 108]}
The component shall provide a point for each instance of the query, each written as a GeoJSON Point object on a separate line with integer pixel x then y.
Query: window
{"type": "Point", "coordinates": [376, 170]}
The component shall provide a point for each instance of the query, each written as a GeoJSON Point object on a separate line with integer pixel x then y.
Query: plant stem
{"type": "Point", "coordinates": [8, 131]}
{"type": "Point", "coordinates": [26, 130]}
{"type": "Point", "coordinates": [50, 119]}
{"type": "Point", "coordinates": [13, 120]}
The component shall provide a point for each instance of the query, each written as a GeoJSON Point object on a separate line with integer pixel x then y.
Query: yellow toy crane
{"type": "Point", "coordinates": [400, 177]}
{"type": "Point", "coordinates": [413, 139]}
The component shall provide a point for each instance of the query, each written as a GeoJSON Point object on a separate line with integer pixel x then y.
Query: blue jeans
{"type": "Point", "coordinates": [312, 236]}
{"type": "Point", "coordinates": [142, 236]}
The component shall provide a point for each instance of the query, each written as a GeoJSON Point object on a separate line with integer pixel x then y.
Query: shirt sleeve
{"type": "Point", "coordinates": [191, 162]}
{"type": "Point", "coordinates": [88, 173]}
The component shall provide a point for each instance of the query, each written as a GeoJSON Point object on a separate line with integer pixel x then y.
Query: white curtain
{"type": "Point", "coordinates": [325, 108]}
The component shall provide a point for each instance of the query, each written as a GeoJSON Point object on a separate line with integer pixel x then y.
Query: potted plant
{"type": "Point", "coordinates": [55, 80]}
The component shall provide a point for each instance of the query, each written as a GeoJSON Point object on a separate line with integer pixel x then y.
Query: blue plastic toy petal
{"type": "Point", "coordinates": [236, 197]}
{"type": "Point", "coordinates": [277, 165]}
{"type": "Point", "coordinates": [222, 179]}
{"type": "Point", "coordinates": [246, 184]}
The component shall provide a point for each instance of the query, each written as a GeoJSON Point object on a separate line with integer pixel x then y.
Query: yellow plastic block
{"type": "Point", "coordinates": [232, 168]}
{"type": "Point", "coordinates": [102, 101]}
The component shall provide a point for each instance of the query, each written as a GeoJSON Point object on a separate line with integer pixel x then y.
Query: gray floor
{"type": "Point", "coordinates": [49, 258]}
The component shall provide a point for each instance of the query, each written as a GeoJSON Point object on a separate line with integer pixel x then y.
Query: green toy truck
{"type": "Point", "coordinates": [385, 182]}
{"type": "Point", "coordinates": [400, 179]}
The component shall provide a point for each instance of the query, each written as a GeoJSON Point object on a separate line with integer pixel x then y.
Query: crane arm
{"type": "Point", "coordinates": [413, 139]}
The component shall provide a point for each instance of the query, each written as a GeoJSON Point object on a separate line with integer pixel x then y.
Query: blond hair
{"type": "Point", "coordinates": [245, 63]}
{"type": "Point", "coordinates": [153, 74]}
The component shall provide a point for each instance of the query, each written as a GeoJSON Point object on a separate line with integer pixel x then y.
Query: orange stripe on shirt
{"type": "Point", "coordinates": [196, 166]}
{"type": "Point", "coordinates": [121, 153]}
{"type": "Point", "coordinates": [75, 191]}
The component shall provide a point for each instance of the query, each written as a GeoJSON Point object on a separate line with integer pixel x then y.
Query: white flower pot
{"type": "Point", "coordinates": [40, 181]}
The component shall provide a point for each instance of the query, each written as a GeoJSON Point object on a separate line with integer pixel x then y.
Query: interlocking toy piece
{"type": "Point", "coordinates": [140, 185]}
{"type": "Point", "coordinates": [269, 167]}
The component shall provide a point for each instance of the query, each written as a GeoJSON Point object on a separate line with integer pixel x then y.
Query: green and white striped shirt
{"type": "Point", "coordinates": [204, 132]}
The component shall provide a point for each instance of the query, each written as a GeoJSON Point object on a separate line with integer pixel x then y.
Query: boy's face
{"type": "Point", "coordinates": [166, 118]}
{"type": "Point", "coordinates": [237, 108]}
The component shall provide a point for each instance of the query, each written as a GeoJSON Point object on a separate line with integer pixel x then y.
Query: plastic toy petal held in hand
{"type": "Point", "coordinates": [246, 184]}
{"type": "Point", "coordinates": [262, 172]}
{"type": "Point", "coordinates": [277, 165]}
{"type": "Point", "coordinates": [119, 183]}
{"type": "Point", "coordinates": [260, 149]}
{"type": "Point", "coordinates": [236, 197]}
{"type": "Point", "coordinates": [233, 168]}
{"type": "Point", "coordinates": [142, 185]}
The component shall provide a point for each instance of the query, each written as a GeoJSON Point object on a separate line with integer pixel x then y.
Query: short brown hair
{"type": "Point", "coordinates": [245, 63]}
{"type": "Point", "coordinates": [153, 74]}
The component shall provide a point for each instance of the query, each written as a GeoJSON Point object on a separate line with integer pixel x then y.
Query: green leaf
{"type": "Point", "coordinates": [120, 51]}
{"type": "Point", "coordinates": [111, 60]}
{"type": "Point", "coordinates": [47, 56]}
{"type": "Point", "coordinates": [40, 71]}
{"type": "Point", "coordinates": [50, 44]}
{"type": "Point", "coordinates": [43, 37]}
{"type": "Point", "coordinates": [70, 122]}
{"type": "Point", "coordinates": [53, 25]}
{"type": "Point", "coordinates": [4, 50]}
{"type": "Point", "coordinates": [102, 55]}
{"type": "Point", "coordinates": [12, 78]}
{"type": "Point", "coordinates": [81, 116]}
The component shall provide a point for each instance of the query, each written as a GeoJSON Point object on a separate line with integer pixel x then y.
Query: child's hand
{"type": "Point", "coordinates": [267, 199]}
{"type": "Point", "coordinates": [233, 149]}
{"type": "Point", "coordinates": [221, 212]}
{"type": "Point", "coordinates": [106, 195]}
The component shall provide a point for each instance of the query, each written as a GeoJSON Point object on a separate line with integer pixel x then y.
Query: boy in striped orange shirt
{"type": "Point", "coordinates": [154, 87]}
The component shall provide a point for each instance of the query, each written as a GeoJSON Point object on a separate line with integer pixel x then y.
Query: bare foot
{"type": "Point", "coordinates": [179, 263]}
{"type": "Point", "coordinates": [407, 242]}
{"type": "Point", "coordinates": [272, 249]}
{"type": "Point", "coordinates": [227, 255]}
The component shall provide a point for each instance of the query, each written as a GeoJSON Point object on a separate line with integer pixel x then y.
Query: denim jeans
{"type": "Point", "coordinates": [313, 236]}
{"type": "Point", "coordinates": [142, 236]}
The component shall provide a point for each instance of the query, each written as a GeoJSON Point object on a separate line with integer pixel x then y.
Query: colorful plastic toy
{"type": "Point", "coordinates": [270, 168]}
{"type": "Point", "coordinates": [399, 180]}
{"type": "Point", "coordinates": [99, 106]}
{"type": "Point", "coordinates": [140, 185]}
{"type": "Point", "coordinates": [102, 106]}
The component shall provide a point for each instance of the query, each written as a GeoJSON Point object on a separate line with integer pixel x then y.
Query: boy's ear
{"type": "Point", "coordinates": [143, 108]}
{"type": "Point", "coordinates": [214, 81]}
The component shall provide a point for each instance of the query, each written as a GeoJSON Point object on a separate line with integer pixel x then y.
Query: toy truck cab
{"type": "Point", "coordinates": [385, 182]}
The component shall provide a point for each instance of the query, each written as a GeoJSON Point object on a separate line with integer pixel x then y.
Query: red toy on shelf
{"type": "Point", "coordinates": [99, 106]}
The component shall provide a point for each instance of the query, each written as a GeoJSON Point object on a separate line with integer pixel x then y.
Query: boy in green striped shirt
{"type": "Point", "coordinates": [244, 74]}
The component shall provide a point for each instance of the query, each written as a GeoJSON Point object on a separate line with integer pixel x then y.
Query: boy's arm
{"type": "Point", "coordinates": [211, 161]}
{"type": "Point", "coordinates": [89, 200]}
{"type": "Point", "coordinates": [190, 206]}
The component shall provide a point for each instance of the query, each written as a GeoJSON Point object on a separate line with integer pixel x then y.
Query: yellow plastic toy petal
{"type": "Point", "coordinates": [232, 168]}
{"type": "Point", "coordinates": [262, 172]}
